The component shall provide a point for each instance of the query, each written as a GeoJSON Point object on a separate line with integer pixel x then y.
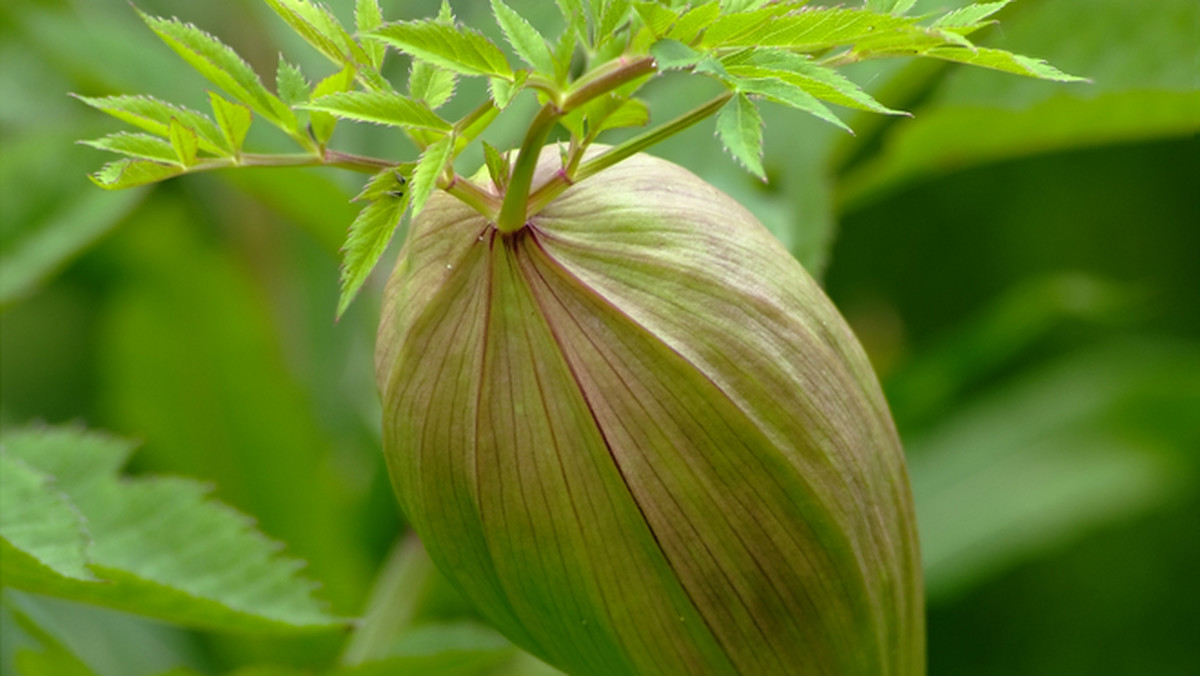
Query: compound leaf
{"type": "Point", "coordinates": [739, 127]}
{"type": "Point", "coordinates": [380, 108]}
{"type": "Point", "coordinates": [154, 116]}
{"type": "Point", "coordinates": [371, 232]}
{"type": "Point", "coordinates": [134, 144]}
{"type": "Point", "coordinates": [130, 173]}
{"type": "Point", "coordinates": [462, 50]}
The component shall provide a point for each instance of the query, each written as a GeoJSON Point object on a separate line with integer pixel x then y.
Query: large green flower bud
{"type": "Point", "coordinates": [641, 439]}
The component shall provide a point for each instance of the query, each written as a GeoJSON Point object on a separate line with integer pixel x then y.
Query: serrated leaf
{"type": "Point", "coordinates": [323, 123]}
{"type": "Point", "coordinates": [183, 140]}
{"type": "Point", "coordinates": [524, 38]}
{"type": "Point", "coordinates": [497, 166]}
{"type": "Point", "coordinates": [429, 167]}
{"type": "Point", "coordinates": [503, 90]}
{"type": "Point", "coordinates": [369, 236]}
{"type": "Point", "coordinates": [999, 59]}
{"type": "Point", "coordinates": [671, 54]}
{"type": "Point", "coordinates": [657, 18]}
{"type": "Point", "coordinates": [380, 108]}
{"type": "Point", "coordinates": [573, 13]}
{"type": "Point", "coordinates": [144, 146]}
{"type": "Point", "coordinates": [154, 116]}
{"type": "Point", "coordinates": [789, 94]}
{"type": "Point", "coordinates": [890, 6]}
{"type": "Point", "coordinates": [733, 26]}
{"type": "Point", "coordinates": [693, 22]}
{"type": "Point", "coordinates": [222, 66]}
{"type": "Point", "coordinates": [130, 173]}
{"type": "Point", "coordinates": [367, 17]}
{"type": "Point", "coordinates": [161, 547]}
{"type": "Point", "coordinates": [431, 84]}
{"type": "Point", "coordinates": [290, 83]}
{"type": "Point", "coordinates": [969, 15]}
{"type": "Point", "coordinates": [735, 6]}
{"type": "Point", "coordinates": [40, 523]}
{"type": "Point", "coordinates": [321, 29]}
{"type": "Point", "coordinates": [461, 49]}
{"type": "Point", "coordinates": [234, 120]}
{"type": "Point", "coordinates": [613, 15]}
{"type": "Point", "coordinates": [739, 127]}
{"type": "Point", "coordinates": [806, 30]}
{"type": "Point", "coordinates": [822, 82]}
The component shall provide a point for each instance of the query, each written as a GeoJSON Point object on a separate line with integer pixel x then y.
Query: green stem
{"type": "Point", "coordinates": [473, 196]}
{"type": "Point", "coordinates": [392, 604]}
{"type": "Point", "coordinates": [331, 158]}
{"type": "Point", "coordinates": [562, 180]}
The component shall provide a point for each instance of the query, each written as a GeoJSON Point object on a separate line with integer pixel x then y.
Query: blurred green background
{"type": "Point", "coordinates": [1021, 260]}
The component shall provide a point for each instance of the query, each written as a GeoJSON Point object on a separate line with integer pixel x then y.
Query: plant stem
{"type": "Point", "coordinates": [392, 603]}
{"type": "Point", "coordinates": [473, 196]}
{"type": "Point", "coordinates": [562, 180]}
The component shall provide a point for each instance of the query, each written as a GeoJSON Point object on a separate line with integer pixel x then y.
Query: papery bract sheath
{"type": "Point", "coordinates": [638, 435]}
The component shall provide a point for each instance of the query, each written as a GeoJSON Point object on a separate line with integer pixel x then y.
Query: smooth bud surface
{"type": "Point", "coordinates": [637, 434]}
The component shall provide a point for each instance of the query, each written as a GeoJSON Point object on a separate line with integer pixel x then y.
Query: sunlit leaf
{"type": "Point", "coordinates": [323, 123]}
{"type": "Point", "coordinates": [890, 6]}
{"type": "Point", "coordinates": [1002, 60]}
{"type": "Point", "coordinates": [739, 127]}
{"type": "Point", "coordinates": [290, 83]}
{"type": "Point", "coordinates": [503, 90]}
{"type": "Point", "coordinates": [613, 15]}
{"type": "Point", "coordinates": [822, 82]}
{"type": "Point", "coordinates": [430, 166]}
{"type": "Point", "coordinates": [154, 116]}
{"type": "Point", "coordinates": [368, 16]}
{"type": "Point", "coordinates": [694, 21]}
{"type": "Point", "coordinates": [657, 18]}
{"type": "Point", "coordinates": [369, 236]}
{"type": "Point", "coordinates": [129, 173]}
{"type": "Point", "coordinates": [432, 84]}
{"type": "Point", "coordinates": [234, 120]}
{"type": "Point", "coordinates": [380, 108]}
{"type": "Point", "coordinates": [523, 37]}
{"type": "Point", "coordinates": [969, 15]}
{"type": "Point", "coordinates": [317, 25]}
{"type": "Point", "coordinates": [789, 94]}
{"type": "Point", "coordinates": [143, 146]}
{"type": "Point", "coordinates": [808, 30]}
{"type": "Point", "coordinates": [462, 50]}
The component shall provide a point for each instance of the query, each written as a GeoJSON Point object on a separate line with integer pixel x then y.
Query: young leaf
{"type": "Point", "coordinates": [462, 50]}
{"type": "Point", "coordinates": [788, 94]}
{"type": "Point", "coordinates": [821, 81]}
{"type": "Point", "coordinates": [740, 128]}
{"type": "Point", "coordinates": [656, 18]}
{"type": "Point", "coordinates": [323, 123]}
{"type": "Point", "coordinates": [735, 6]}
{"type": "Point", "coordinates": [380, 108]}
{"type": "Point", "coordinates": [290, 83]}
{"type": "Point", "coordinates": [154, 116]}
{"type": "Point", "coordinates": [430, 166]}
{"type": "Point", "coordinates": [810, 30]}
{"type": "Point", "coordinates": [38, 522]}
{"type": "Point", "coordinates": [503, 90]}
{"type": "Point", "coordinates": [1001, 60]}
{"type": "Point", "coordinates": [321, 30]}
{"type": "Point", "coordinates": [670, 54]}
{"type": "Point", "coordinates": [369, 236]}
{"type": "Point", "coordinates": [523, 37]}
{"type": "Point", "coordinates": [431, 84]}
{"type": "Point", "coordinates": [890, 6]}
{"type": "Point", "coordinates": [576, 18]}
{"type": "Point", "coordinates": [223, 67]}
{"type": "Point", "coordinates": [129, 173]}
{"type": "Point", "coordinates": [234, 120]}
{"type": "Point", "coordinates": [613, 15]}
{"type": "Point", "coordinates": [183, 140]}
{"type": "Point", "coordinates": [159, 545]}
{"type": "Point", "coordinates": [144, 146]}
{"type": "Point", "coordinates": [969, 16]}
{"type": "Point", "coordinates": [695, 20]}
{"type": "Point", "coordinates": [497, 166]}
{"type": "Point", "coordinates": [367, 17]}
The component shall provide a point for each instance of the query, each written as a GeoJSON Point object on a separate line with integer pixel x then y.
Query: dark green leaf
{"type": "Point", "coordinates": [234, 120]}
{"type": "Point", "coordinates": [462, 50]}
{"type": "Point", "coordinates": [154, 116]}
{"type": "Point", "coordinates": [739, 127]}
{"type": "Point", "coordinates": [523, 37]}
{"type": "Point", "coordinates": [380, 108]}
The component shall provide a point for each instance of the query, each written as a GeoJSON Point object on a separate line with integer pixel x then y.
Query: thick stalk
{"type": "Point", "coordinates": [562, 180]}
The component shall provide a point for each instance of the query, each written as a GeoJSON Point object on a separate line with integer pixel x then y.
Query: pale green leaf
{"type": "Point", "coordinates": [503, 90]}
{"type": "Point", "coordinates": [144, 146]}
{"type": "Point", "coordinates": [368, 16]}
{"type": "Point", "coordinates": [655, 17]}
{"type": "Point", "coordinates": [739, 127]}
{"type": "Point", "coordinates": [154, 116]}
{"type": "Point", "coordinates": [822, 82]}
{"type": "Point", "coordinates": [380, 108]}
{"type": "Point", "coordinates": [734, 26]}
{"type": "Point", "coordinates": [693, 22]}
{"type": "Point", "coordinates": [461, 49]}
{"type": "Point", "coordinates": [497, 166]}
{"type": "Point", "coordinates": [369, 236]}
{"type": "Point", "coordinates": [320, 29]}
{"type": "Point", "coordinates": [808, 30]}
{"type": "Point", "coordinates": [671, 54]}
{"type": "Point", "coordinates": [183, 140]}
{"type": "Point", "coordinates": [789, 94]}
{"type": "Point", "coordinates": [223, 67]}
{"type": "Point", "coordinates": [290, 83]}
{"type": "Point", "coordinates": [735, 6]}
{"type": "Point", "coordinates": [1001, 60]}
{"type": "Point", "coordinates": [613, 16]}
{"type": "Point", "coordinates": [234, 120]}
{"type": "Point", "coordinates": [40, 523]}
{"type": "Point", "coordinates": [129, 173]}
{"type": "Point", "coordinates": [431, 84]}
{"type": "Point", "coordinates": [523, 37]}
{"type": "Point", "coordinates": [323, 123]}
{"type": "Point", "coordinates": [890, 6]}
{"type": "Point", "coordinates": [970, 15]}
{"type": "Point", "coordinates": [161, 547]}
{"type": "Point", "coordinates": [430, 166]}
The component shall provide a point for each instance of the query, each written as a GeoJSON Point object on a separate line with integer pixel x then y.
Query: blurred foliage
{"type": "Point", "coordinates": [1041, 350]}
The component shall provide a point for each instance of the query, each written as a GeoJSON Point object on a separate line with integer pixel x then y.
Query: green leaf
{"type": "Point", "coordinates": [735, 6]}
{"type": "Point", "coordinates": [733, 26]}
{"type": "Point", "coordinates": [693, 22]}
{"type": "Point", "coordinates": [573, 13]}
{"type": "Point", "coordinates": [740, 128]}
{"type": "Point", "coordinates": [39, 526]}
{"type": "Point", "coordinates": [789, 94]}
{"type": "Point", "coordinates": [130, 173]}
{"type": "Point", "coordinates": [290, 83]}
{"type": "Point", "coordinates": [154, 116]}
{"type": "Point", "coordinates": [1001, 60]}
{"type": "Point", "coordinates": [969, 16]}
{"type": "Point", "coordinates": [497, 166]}
{"type": "Point", "coordinates": [430, 166]}
{"type": "Point", "coordinates": [223, 67]}
{"type": "Point", "coordinates": [809, 30]}
{"type": "Point", "coordinates": [524, 38]}
{"type": "Point", "coordinates": [462, 50]}
{"type": "Point", "coordinates": [822, 82]}
{"type": "Point", "coordinates": [160, 546]}
{"type": "Point", "coordinates": [323, 123]}
{"type": "Point", "coordinates": [234, 120]}
{"type": "Point", "coordinates": [671, 54]}
{"type": "Point", "coordinates": [380, 108]}
{"type": "Point", "coordinates": [613, 15]}
{"type": "Point", "coordinates": [503, 90]}
{"type": "Point", "coordinates": [657, 18]}
{"type": "Point", "coordinates": [431, 84]}
{"type": "Point", "coordinates": [890, 6]}
{"type": "Point", "coordinates": [183, 140]}
{"type": "Point", "coordinates": [368, 16]}
{"type": "Point", "coordinates": [321, 29]}
{"type": "Point", "coordinates": [369, 236]}
{"type": "Point", "coordinates": [143, 146]}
